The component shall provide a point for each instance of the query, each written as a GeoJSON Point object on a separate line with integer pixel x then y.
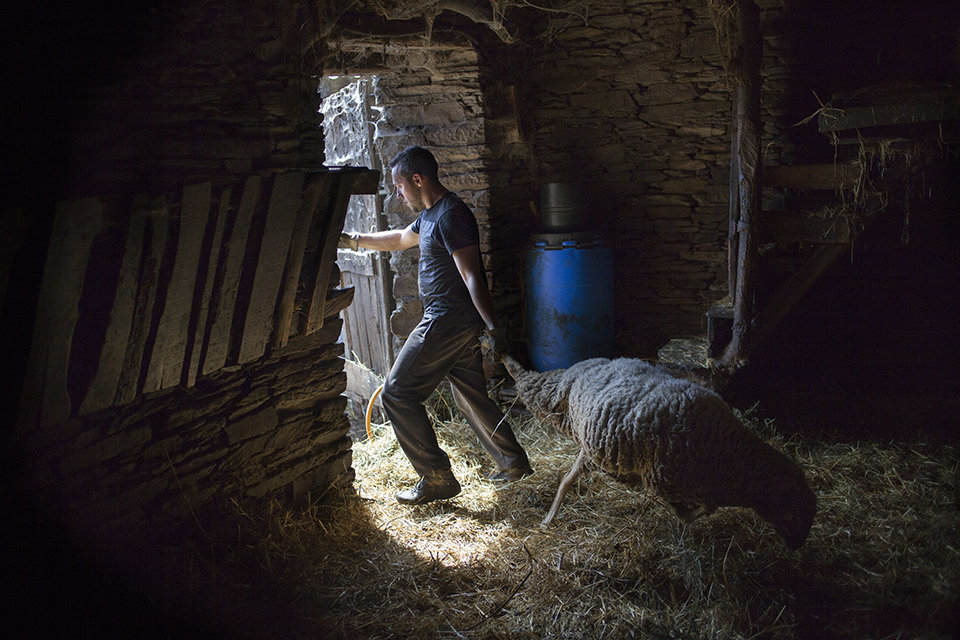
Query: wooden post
{"type": "Point", "coordinates": [734, 208]}
{"type": "Point", "coordinates": [745, 74]}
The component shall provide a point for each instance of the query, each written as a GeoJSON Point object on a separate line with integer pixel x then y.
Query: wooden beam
{"type": "Point", "coordinates": [936, 108]}
{"type": "Point", "coordinates": [792, 290]}
{"type": "Point", "coordinates": [733, 195]}
{"type": "Point", "coordinates": [339, 299]}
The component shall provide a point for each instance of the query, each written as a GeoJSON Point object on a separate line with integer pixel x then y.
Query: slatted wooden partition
{"type": "Point", "coordinates": [209, 279]}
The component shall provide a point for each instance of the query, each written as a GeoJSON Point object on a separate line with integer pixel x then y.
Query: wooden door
{"type": "Point", "coordinates": [348, 130]}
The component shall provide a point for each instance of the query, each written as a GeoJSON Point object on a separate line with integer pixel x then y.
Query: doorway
{"type": "Point", "coordinates": [349, 113]}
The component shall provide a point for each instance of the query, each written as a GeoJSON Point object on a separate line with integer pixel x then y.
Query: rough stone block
{"type": "Point", "coordinates": [253, 425]}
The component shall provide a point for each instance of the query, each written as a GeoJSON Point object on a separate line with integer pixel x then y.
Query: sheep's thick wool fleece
{"type": "Point", "coordinates": [644, 426]}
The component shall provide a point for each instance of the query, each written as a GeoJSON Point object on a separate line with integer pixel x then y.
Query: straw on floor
{"type": "Point", "coordinates": [882, 559]}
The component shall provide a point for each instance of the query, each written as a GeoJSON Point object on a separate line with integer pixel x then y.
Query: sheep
{"type": "Point", "coordinates": [678, 439]}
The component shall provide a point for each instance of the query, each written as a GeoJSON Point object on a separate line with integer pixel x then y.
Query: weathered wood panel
{"type": "Point", "coordinates": [361, 381]}
{"type": "Point", "coordinates": [208, 278]}
{"type": "Point", "coordinates": [317, 191]}
{"type": "Point", "coordinates": [102, 391]}
{"type": "Point", "coordinates": [277, 234]}
{"type": "Point", "coordinates": [44, 398]}
{"type": "Point", "coordinates": [228, 278]}
{"type": "Point", "coordinates": [147, 243]}
{"type": "Point", "coordinates": [166, 366]}
{"type": "Point", "coordinates": [363, 334]}
{"type": "Point", "coordinates": [349, 182]}
{"type": "Point", "coordinates": [176, 312]}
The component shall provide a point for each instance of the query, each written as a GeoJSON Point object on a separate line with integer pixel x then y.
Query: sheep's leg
{"type": "Point", "coordinates": [575, 471]}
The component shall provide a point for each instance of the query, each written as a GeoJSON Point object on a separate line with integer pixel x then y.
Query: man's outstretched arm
{"type": "Point", "coordinates": [392, 240]}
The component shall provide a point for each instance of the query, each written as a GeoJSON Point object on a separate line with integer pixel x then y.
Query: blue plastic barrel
{"type": "Point", "coordinates": [569, 306]}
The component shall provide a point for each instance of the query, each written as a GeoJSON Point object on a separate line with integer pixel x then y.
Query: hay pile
{"type": "Point", "coordinates": [882, 559]}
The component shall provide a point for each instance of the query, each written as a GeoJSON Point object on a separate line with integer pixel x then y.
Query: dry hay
{"type": "Point", "coordinates": [881, 561]}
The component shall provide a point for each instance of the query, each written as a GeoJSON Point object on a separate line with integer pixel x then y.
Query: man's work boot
{"type": "Point", "coordinates": [438, 485]}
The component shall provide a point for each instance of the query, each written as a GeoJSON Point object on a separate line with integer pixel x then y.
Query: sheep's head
{"type": "Point", "coordinates": [790, 511]}
{"type": "Point", "coordinates": [538, 391]}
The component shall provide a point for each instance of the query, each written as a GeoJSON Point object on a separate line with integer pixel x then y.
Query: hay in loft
{"type": "Point", "coordinates": [881, 560]}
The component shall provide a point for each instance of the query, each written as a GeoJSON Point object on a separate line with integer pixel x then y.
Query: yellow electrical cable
{"type": "Point", "coordinates": [370, 410]}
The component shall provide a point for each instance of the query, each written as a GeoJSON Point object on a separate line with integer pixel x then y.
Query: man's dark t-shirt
{"type": "Point", "coordinates": [445, 227]}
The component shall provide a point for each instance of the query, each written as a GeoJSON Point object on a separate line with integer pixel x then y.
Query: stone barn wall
{"type": "Point", "coordinates": [149, 103]}
{"type": "Point", "coordinates": [634, 105]}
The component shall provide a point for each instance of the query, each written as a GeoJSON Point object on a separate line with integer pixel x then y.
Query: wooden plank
{"type": "Point", "coordinates": [102, 392]}
{"type": "Point", "coordinates": [168, 357]}
{"type": "Point", "coordinates": [339, 300]}
{"type": "Point", "coordinates": [45, 399]}
{"type": "Point", "coordinates": [317, 190]}
{"type": "Point", "coordinates": [350, 181]}
{"type": "Point", "coordinates": [803, 226]}
{"type": "Point", "coordinates": [365, 328]}
{"type": "Point", "coordinates": [361, 381]}
{"type": "Point", "coordinates": [207, 276]}
{"type": "Point", "coordinates": [934, 108]}
{"type": "Point", "coordinates": [277, 234]}
{"type": "Point", "coordinates": [224, 297]}
{"type": "Point", "coordinates": [828, 176]}
{"type": "Point", "coordinates": [146, 245]}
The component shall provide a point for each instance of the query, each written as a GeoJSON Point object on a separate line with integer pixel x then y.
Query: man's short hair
{"type": "Point", "coordinates": [415, 160]}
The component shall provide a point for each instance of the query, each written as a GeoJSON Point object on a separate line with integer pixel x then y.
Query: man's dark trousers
{"type": "Point", "coordinates": [442, 347]}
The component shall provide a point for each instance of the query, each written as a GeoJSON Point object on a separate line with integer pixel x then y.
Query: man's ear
{"type": "Point", "coordinates": [417, 179]}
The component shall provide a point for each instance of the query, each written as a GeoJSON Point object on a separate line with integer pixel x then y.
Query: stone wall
{"type": "Point", "coordinates": [635, 106]}
{"type": "Point", "coordinates": [146, 102]}
{"type": "Point", "coordinates": [145, 99]}
{"type": "Point", "coordinates": [275, 429]}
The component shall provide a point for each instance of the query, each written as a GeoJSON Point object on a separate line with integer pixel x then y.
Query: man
{"type": "Point", "coordinates": [446, 343]}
